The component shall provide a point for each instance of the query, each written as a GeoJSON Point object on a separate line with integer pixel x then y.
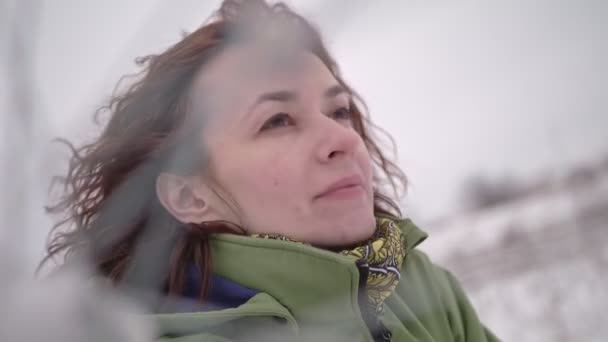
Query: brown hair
{"type": "Point", "coordinates": [112, 213]}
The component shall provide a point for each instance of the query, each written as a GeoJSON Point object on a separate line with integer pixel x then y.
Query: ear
{"type": "Point", "coordinates": [187, 198]}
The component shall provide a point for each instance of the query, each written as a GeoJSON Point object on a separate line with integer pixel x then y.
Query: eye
{"type": "Point", "coordinates": [343, 113]}
{"type": "Point", "coordinates": [276, 121]}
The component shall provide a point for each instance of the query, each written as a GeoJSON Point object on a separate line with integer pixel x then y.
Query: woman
{"type": "Point", "coordinates": [236, 190]}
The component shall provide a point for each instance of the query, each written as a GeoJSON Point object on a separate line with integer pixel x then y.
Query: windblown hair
{"type": "Point", "coordinates": [109, 207]}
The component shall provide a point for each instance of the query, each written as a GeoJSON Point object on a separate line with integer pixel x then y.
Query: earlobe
{"type": "Point", "coordinates": [182, 197]}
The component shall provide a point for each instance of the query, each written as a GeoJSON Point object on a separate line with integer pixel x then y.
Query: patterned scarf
{"type": "Point", "coordinates": [381, 256]}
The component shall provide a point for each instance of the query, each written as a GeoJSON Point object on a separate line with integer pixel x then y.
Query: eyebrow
{"type": "Point", "coordinates": [335, 90]}
{"type": "Point", "coordinates": [288, 96]}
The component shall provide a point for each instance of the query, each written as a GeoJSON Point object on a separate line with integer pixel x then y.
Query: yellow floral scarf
{"type": "Point", "coordinates": [381, 256]}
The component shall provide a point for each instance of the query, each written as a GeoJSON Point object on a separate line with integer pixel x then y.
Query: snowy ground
{"type": "Point", "coordinates": [565, 302]}
{"type": "Point", "coordinates": [535, 270]}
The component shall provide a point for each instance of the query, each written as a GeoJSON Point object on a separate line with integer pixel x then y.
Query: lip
{"type": "Point", "coordinates": [345, 186]}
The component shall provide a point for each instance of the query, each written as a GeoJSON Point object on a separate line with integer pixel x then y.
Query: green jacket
{"type": "Point", "coordinates": [309, 294]}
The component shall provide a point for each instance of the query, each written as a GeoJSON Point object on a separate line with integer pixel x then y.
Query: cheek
{"type": "Point", "coordinates": [256, 177]}
{"type": "Point", "coordinates": [273, 176]}
{"type": "Point", "coordinates": [365, 164]}
{"type": "Point", "coordinates": [364, 160]}
{"type": "Point", "coordinates": [266, 179]}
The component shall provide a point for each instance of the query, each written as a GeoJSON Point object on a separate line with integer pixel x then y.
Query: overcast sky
{"type": "Point", "coordinates": [464, 87]}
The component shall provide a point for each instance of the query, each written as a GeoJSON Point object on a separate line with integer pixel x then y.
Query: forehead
{"type": "Point", "coordinates": [241, 72]}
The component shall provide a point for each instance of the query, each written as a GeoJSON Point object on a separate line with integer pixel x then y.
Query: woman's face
{"type": "Point", "coordinates": [283, 154]}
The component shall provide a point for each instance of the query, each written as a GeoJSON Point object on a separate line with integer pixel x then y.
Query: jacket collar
{"type": "Point", "coordinates": [287, 276]}
{"type": "Point", "coordinates": [314, 284]}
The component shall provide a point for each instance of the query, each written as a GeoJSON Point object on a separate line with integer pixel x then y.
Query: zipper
{"type": "Point", "coordinates": [384, 333]}
{"type": "Point", "coordinates": [379, 332]}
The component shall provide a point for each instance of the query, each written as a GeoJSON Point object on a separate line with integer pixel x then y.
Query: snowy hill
{"type": "Point", "coordinates": [535, 268]}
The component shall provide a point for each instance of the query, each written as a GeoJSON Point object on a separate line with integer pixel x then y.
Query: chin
{"type": "Point", "coordinates": [363, 233]}
{"type": "Point", "coordinates": [349, 232]}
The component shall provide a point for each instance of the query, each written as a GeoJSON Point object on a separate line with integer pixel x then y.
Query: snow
{"type": "Point", "coordinates": [535, 270]}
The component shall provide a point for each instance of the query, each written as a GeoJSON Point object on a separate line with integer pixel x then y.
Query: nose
{"type": "Point", "coordinates": [336, 140]}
